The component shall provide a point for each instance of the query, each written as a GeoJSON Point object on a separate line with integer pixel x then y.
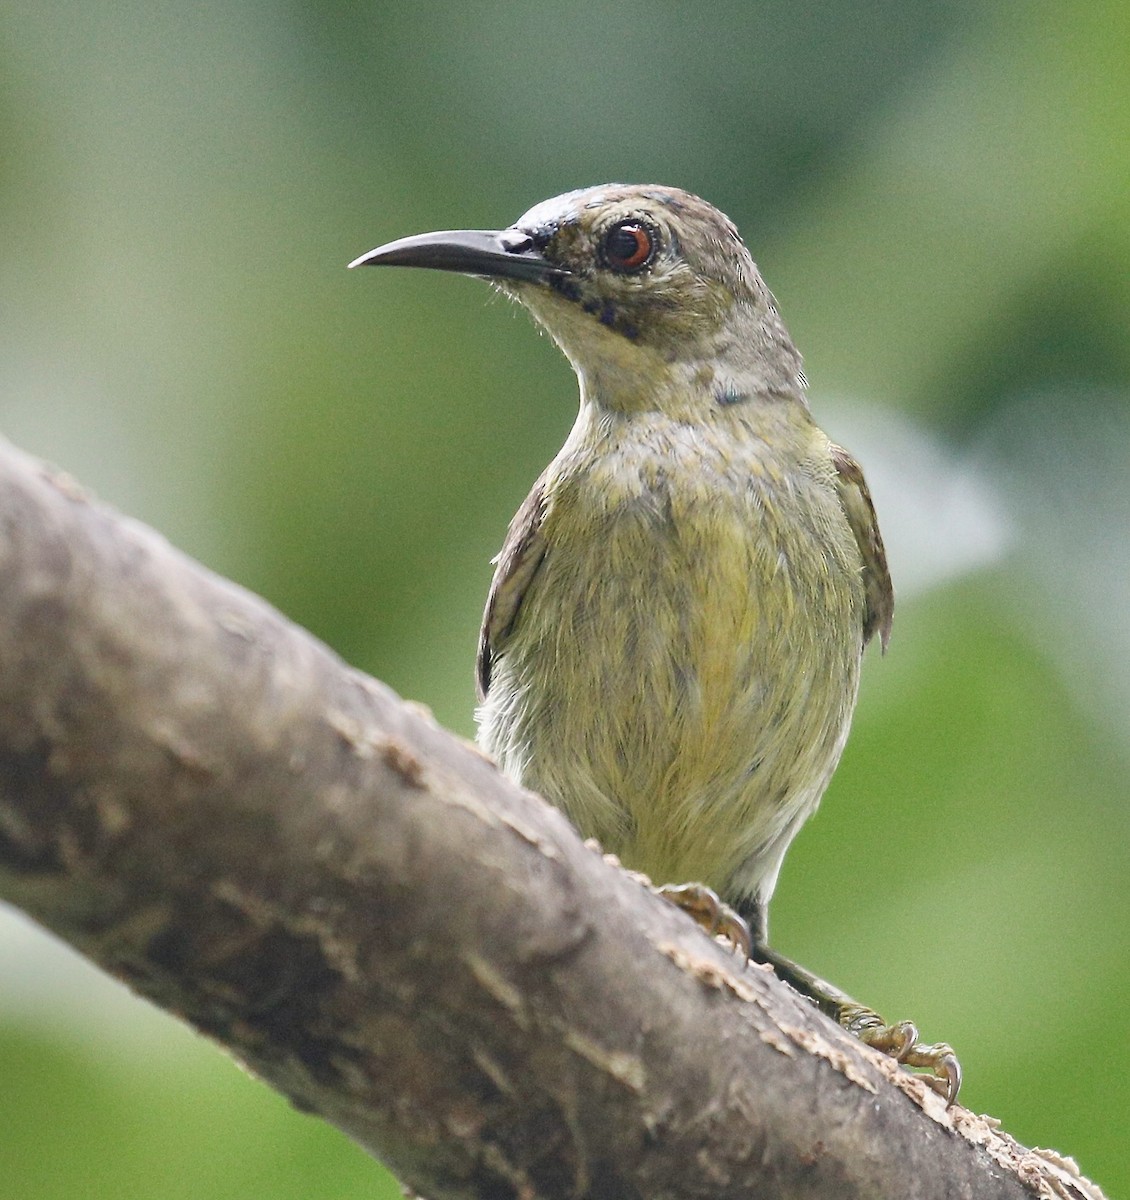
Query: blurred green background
{"type": "Point", "coordinates": [939, 195]}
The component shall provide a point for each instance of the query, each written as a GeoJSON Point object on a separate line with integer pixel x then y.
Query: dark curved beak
{"type": "Point", "coordinates": [505, 254]}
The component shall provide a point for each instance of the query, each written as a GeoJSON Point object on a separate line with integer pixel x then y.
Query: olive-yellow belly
{"type": "Point", "coordinates": [683, 667]}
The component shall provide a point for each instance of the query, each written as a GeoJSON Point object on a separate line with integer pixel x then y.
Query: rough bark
{"type": "Point", "coordinates": [209, 804]}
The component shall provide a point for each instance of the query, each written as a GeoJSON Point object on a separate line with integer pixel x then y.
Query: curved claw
{"type": "Point", "coordinates": [942, 1062]}
{"type": "Point", "coordinates": [715, 916]}
{"type": "Point", "coordinates": [901, 1042]}
{"type": "Point", "coordinates": [897, 1040]}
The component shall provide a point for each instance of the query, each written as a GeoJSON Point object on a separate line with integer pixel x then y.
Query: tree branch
{"type": "Point", "coordinates": [209, 804]}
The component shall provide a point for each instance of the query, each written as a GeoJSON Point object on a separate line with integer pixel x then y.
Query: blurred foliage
{"type": "Point", "coordinates": [939, 195]}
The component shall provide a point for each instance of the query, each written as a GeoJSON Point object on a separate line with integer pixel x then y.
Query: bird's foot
{"type": "Point", "coordinates": [715, 916]}
{"type": "Point", "coordinates": [900, 1041]}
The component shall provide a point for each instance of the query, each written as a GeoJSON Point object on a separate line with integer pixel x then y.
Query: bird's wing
{"type": "Point", "coordinates": [515, 567]}
{"type": "Point", "coordinates": [878, 592]}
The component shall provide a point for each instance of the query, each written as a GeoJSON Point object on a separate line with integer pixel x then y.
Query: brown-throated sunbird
{"type": "Point", "coordinates": [671, 646]}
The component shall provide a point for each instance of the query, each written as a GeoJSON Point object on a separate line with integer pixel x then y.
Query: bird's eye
{"type": "Point", "coordinates": [628, 246]}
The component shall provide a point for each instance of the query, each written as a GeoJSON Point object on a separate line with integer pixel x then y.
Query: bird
{"type": "Point", "coordinates": [672, 641]}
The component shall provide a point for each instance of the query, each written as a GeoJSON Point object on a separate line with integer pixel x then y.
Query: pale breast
{"type": "Point", "coordinates": [685, 663]}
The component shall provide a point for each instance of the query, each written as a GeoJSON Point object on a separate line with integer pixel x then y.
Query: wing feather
{"type": "Point", "coordinates": [878, 591]}
{"type": "Point", "coordinates": [515, 567]}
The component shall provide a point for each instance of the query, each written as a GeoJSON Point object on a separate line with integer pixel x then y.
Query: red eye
{"type": "Point", "coordinates": [628, 246]}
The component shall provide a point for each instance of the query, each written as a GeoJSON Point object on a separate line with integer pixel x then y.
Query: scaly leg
{"type": "Point", "coordinates": [899, 1040]}
{"type": "Point", "coordinates": [745, 929]}
{"type": "Point", "coordinates": [715, 916]}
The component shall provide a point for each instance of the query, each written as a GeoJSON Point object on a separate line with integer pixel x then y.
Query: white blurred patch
{"type": "Point", "coordinates": [1048, 485]}
{"type": "Point", "coordinates": [940, 514]}
{"type": "Point", "coordinates": [1063, 462]}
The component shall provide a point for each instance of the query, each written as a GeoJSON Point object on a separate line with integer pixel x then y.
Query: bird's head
{"type": "Point", "coordinates": [648, 290]}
